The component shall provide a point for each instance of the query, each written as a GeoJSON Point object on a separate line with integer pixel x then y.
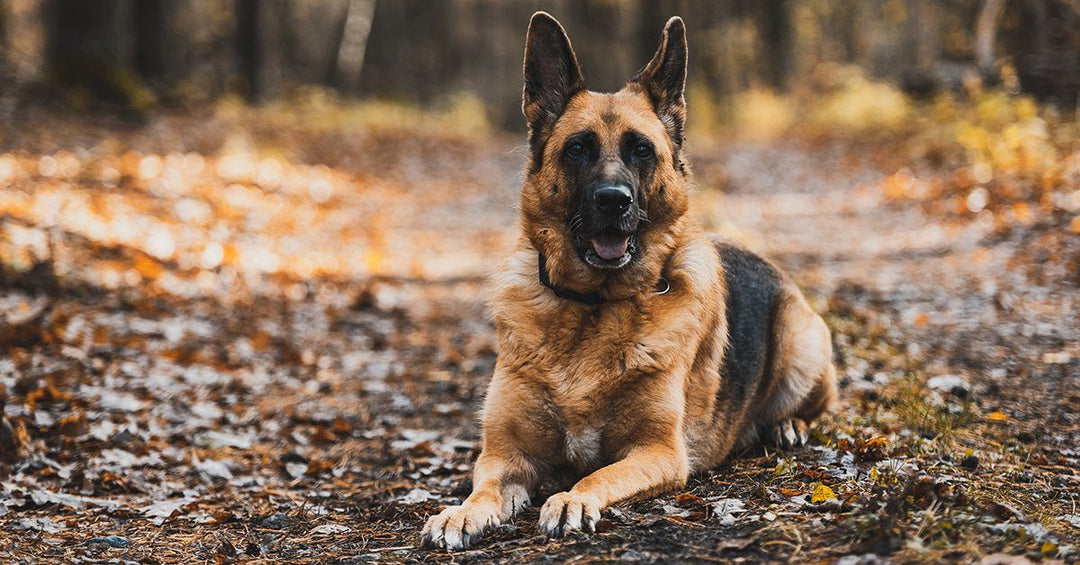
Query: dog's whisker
{"type": "Point", "coordinates": [575, 222]}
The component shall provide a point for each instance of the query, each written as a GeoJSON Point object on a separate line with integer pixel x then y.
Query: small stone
{"type": "Point", "coordinates": [117, 542]}
{"type": "Point", "coordinates": [951, 384]}
{"type": "Point", "coordinates": [275, 521]}
{"type": "Point", "coordinates": [123, 437]}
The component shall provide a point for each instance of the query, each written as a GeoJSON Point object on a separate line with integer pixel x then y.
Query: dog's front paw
{"type": "Point", "coordinates": [567, 511]}
{"type": "Point", "coordinates": [791, 432]}
{"type": "Point", "coordinates": [458, 526]}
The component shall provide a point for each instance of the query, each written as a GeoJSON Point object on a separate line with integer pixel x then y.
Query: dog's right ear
{"type": "Point", "coordinates": [664, 79]}
{"type": "Point", "coordinates": [552, 75]}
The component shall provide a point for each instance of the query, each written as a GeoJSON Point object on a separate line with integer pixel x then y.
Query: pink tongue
{"type": "Point", "coordinates": [610, 247]}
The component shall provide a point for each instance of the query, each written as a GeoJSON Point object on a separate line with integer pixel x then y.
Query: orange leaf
{"type": "Point", "coordinates": [686, 499]}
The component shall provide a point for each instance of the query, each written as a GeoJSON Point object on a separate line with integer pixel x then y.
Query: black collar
{"type": "Point", "coordinates": [593, 298]}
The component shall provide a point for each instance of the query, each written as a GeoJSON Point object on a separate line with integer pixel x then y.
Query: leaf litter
{"type": "Point", "coordinates": [205, 361]}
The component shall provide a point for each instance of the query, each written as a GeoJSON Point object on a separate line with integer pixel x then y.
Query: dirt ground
{"type": "Point", "coordinates": [268, 347]}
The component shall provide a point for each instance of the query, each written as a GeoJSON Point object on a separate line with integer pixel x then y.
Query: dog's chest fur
{"type": "Point", "coordinates": [583, 449]}
{"type": "Point", "coordinates": [600, 378]}
{"type": "Point", "coordinates": [591, 362]}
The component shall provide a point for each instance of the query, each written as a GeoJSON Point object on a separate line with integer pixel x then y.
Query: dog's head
{"type": "Point", "coordinates": [606, 181]}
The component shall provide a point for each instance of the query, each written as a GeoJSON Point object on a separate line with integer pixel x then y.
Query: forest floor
{"type": "Point", "coordinates": [226, 339]}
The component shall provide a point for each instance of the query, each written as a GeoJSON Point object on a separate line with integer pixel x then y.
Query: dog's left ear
{"type": "Point", "coordinates": [552, 74]}
{"type": "Point", "coordinates": [664, 79]}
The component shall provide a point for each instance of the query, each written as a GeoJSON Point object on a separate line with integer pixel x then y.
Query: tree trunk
{"type": "Point", "coordinates": [777, 35]}
{"type": "Point", "coordinates": [986, 24]}
{"type": "Point", "coordinates": [22, 51]}
{"type": "Point", "coordinates": [350, 55]}
{"type": "Point", "coordinates": [89, 33]}
{"type": "Point", "coordinates": [260, 35]}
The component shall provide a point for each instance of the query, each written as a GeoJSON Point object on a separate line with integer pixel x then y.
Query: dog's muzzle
{"type": "Point", "coordinates": [609, 237]}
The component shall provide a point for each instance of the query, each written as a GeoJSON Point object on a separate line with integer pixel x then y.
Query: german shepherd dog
{"type": "Point", "coordinates": [633, 349]}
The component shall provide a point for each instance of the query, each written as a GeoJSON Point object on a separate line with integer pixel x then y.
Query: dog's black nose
{"type": "Point", "coordinates": [614, 199]}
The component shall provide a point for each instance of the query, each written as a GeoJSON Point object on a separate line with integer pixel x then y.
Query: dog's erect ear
{"type": "Point", "coordinates": [552, 74]}
{"type": "Point", "coordinates": [664, 79]}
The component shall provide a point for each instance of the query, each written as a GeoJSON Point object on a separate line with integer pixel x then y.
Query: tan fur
{"type": "Point", "coordinates": [625, 399]}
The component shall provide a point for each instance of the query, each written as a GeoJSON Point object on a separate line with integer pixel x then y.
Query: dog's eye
{"type": "Point", "coordinates": [643, 151]}
{"type": "Point", "coordinates": [575, 149]}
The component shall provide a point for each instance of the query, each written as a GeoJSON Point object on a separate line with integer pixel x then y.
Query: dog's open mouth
{"type": "Point", "coordinates": [610, 250]}
{"type": "Point", "coordinates": [610, 246]}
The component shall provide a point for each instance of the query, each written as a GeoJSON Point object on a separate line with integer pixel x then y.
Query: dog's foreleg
{"type": "Point", "coordinates": [501, 486]}
{"type": "Point", "coordinates": [644, 471]}
{"type": "Point", "coordinates": [655, 459]}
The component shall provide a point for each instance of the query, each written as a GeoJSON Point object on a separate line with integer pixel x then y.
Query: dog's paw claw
{"type": "Point", "coordinates": [456, 527]}
{"type": "Point", "coordinates": [792, 432]}
{"type": "Point", "coordinates": [566, 512]}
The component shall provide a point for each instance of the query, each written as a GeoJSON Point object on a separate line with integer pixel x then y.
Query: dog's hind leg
{"type": "Point", "coordinates": [804, 378]}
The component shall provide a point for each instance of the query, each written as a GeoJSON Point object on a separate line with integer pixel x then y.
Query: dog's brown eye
{"type": "Point", "coordinates": [575, 149]}
{"type": "Point", "coordinates": [642, 151]}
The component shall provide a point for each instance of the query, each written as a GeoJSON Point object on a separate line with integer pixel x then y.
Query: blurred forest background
{"type": "Point", "coordinates": [185, 52]}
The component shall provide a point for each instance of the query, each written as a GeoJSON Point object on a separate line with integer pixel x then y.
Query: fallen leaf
{"type": "Point", "coordinates": [158, 512]}
{"type": "Point", "coordinates": [296, 469]}
{"type": "Point", "coordinates": [120, 402]}
{"type": "Point", "coordinates": [77, 502]}
{"type": "Point", "coordinates": [821, 493]}
{"type": "Point", "coordinates": [221, 439]}
{"type": "Point", "coordinates": [1004, 559]}
{"type": "Point", "coordinates": [330, 529]}
{"type": "Point", "coordinates": [1072, 519]}
{"type": "Point", "coordinates": [214, 469]}
{"type": "Point", "coordinates": [736, 544]}
{"type": "Point", "coordinates": [727, 509]}
{"type": "Point", "coordinates": [686, 499]}
{"type": "Point", "coordinates": [1056, 358]}
{"type": "Point", "coordinates": [416, 496]}
{"type": "Point", "coordinates": [40, 525]}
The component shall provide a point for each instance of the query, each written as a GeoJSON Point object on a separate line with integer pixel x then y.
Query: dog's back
{"type": "Point", "coordinates": [755, 288]}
